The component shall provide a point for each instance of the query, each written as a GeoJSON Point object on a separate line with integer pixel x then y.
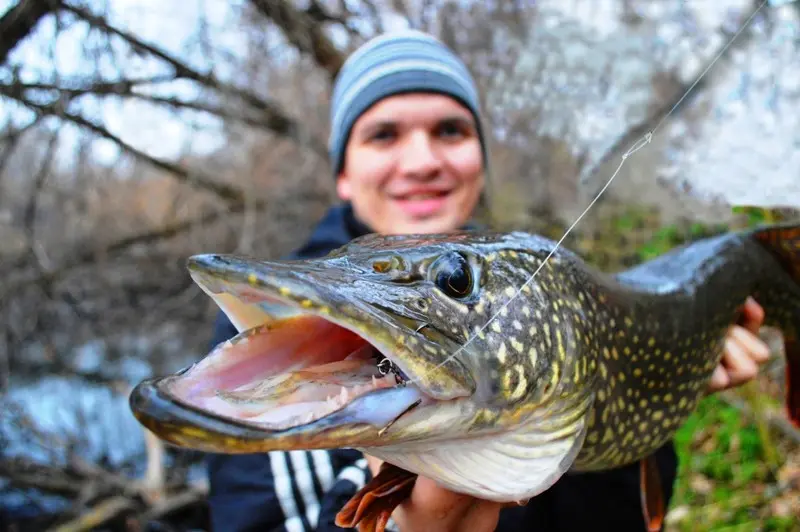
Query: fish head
{"type": "Point", "coordinates": [387, 341]}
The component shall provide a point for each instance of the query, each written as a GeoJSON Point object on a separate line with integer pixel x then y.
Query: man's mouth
{"type": "Point", "coordinates": [422, 203]}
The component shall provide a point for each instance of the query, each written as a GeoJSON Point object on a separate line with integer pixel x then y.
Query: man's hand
{"type": "Point", "coordinates": [432, 507]}
{"type": "Point", "coordinates": [744, 351]}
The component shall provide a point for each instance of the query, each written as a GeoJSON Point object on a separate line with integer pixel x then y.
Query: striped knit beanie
{"type": "Point", "coordinates": [396, 63]}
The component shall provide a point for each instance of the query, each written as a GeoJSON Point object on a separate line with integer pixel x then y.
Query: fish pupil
{"type": "Point", "coordinates": [454, 277]}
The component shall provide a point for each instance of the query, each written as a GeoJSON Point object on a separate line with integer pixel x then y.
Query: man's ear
{"type": "Point", "coordinates": [343, 187]}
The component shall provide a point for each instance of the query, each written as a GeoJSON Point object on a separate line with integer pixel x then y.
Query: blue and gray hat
{"type": "Point", "coordinates": [395, 63]}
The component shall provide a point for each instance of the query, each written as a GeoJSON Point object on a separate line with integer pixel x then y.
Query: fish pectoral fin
{"type": "Point", "coordinates": [651, 494]}
{"type": "Point", "coordinates": [371, 508]}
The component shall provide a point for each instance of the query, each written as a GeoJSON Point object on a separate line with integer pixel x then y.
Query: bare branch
{"type": "Point", "coordinates": [90, 255]}
{"type": "Point", "coordinates": [279, 121]}
{"type": "Point", "coordinates": [11, 138]}
{"type": "Point", "coordinates": [304, 32]}
{"type": "Point", "coordinates": [15, 91]}
{"type": "Point", "coordinates": [19, 22]}
{"type": "Point", "coordinates": [125, 88]}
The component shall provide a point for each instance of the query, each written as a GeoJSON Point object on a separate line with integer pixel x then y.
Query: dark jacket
{"type": "Point", "coordinates": [302, 490]}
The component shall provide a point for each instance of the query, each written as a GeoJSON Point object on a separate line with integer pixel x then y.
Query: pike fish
{"type": "Point", "coordinates": [444, 356]}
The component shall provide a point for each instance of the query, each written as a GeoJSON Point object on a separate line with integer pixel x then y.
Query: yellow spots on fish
{"type": "Point", "coordinates": [526, 288]}
{"type": "Point", "coordinates": [526, 310]}
{"type": "Point", "coordinates": [603, 370]}
{"type": "Point", "coordinates": [514, 382]}
{"type": "Point", "coordinates": [637, 372]}
{"type": "Point", "coordinates": [516, 345]}
{"type": "Point", "coordinates": [682, 403]}
{"type": "Point", "coordinates": [510, 291]}
{"type": "Point", "coordinates": [502, 353]}
{"type": "Point", "coordinates": [651, 341]}
{"type": "Point", "coordinates": [252, 279]}
{"type": "Point", "coordinates": [562, 352]}
{"type": "Point", "coordinates": [193, 432]}
{"type": "Point", "coordinates": [284, 291]}
{"type": "Point", "coordinates": [668, 398]}
{"type": "Point", "coordinates": [628, 321]}
{"type": "Point", "coordinates": [325, 310]}
{"type": "Point", "coordinates": [496, 326]}
{"type": "Point", "coordinates": [306, 303]}
{"type": "Point", "coordinates": [606, 353]}
{"type": "Point", "coordinates": [657, 415]}
{"type": "Point", "coordinates": [517, 325]}
{"type": "Point", "coordinates": [621, 376]}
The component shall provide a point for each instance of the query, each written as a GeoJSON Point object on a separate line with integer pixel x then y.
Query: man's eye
{"type": "Point", "coordinates": [383, 134]}
{"type": "Point", "coordinates": [450, 129]}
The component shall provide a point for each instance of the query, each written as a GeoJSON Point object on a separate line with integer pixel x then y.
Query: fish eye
{"type": "Point", "coordinates": [453, 275]}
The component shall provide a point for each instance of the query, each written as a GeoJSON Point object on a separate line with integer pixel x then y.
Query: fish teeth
{"type": "Point", "coordinates": [374, 382]}
{"type": "Point", "coordinates": [309, 417]}
{"type": "Point", "coordinates": [343, 395]}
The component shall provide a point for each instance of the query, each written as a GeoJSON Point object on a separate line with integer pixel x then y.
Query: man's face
{"type": "Point", "coordinates": [413, 164]}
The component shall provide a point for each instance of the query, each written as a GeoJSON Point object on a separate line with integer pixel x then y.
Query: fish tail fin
{"type": "Point", "coordinates": [783, 242]}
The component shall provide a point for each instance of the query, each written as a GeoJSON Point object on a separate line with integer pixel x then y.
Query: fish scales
{"type": "Point", "coordinates": [492, 370]}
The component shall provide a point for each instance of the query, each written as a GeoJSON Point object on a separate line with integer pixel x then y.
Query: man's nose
{"type": "Point", "coordinates": [419, 159]}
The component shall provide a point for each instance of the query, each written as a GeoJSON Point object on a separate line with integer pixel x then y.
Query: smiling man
{"type": "Point", "coordinates": [409, 156]}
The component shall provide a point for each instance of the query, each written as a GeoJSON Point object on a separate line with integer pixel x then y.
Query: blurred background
{"type": "Point", "coordinates": [136, 133]}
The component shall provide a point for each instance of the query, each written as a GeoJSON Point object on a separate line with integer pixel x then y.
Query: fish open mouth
{"type": "Point", "coordinates": [285, 373]}
{"type": "Point", "coordinates": [306, 351]}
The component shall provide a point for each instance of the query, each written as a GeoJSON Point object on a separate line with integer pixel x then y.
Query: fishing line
{"type": "Point", "coordinates": [638, 145]}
